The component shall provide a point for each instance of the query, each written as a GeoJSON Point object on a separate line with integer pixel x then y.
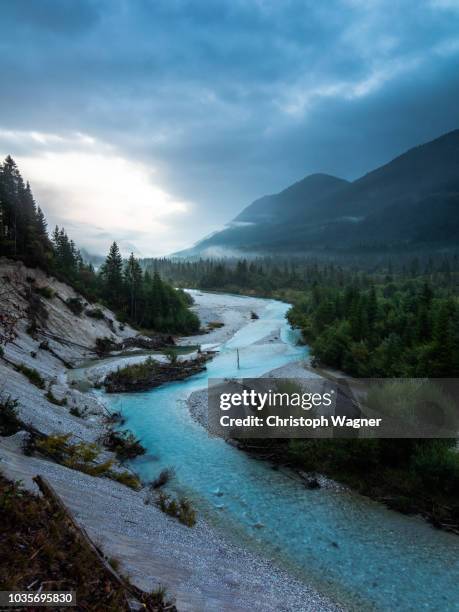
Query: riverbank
{"type": "Point", "coordinates": [352, 463]}
{"type": "Point", "coordinates": [149, 546]}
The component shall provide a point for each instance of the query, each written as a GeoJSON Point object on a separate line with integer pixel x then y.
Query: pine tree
{"type": "Point", "coordinates": [133, 280]}
{"type": "Point", "coordinates": [112, 276]}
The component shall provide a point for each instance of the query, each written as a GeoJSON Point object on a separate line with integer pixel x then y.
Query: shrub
{"type": "Point", "coordinates": [105, 345]}
{"type": "Point", "coordinates": [171, 356]}
{"type": "Point", "coordinates": [95, 313]}
{"type": "Point", "coordinates": [124, 444]}
{"type": "Point", "coordinates": [10, 423]}
{"type": "Point", "coordinates": [28, 445]}
{"type": "Point", "coordinates": [437, 465]}
{"type": "Point", "coordinates": [133, 372]}
{"type": "Point", "coordinates": [32, 329]}
{"type": "Point", "coordinates": [75, 305]}
{"type": "Point", "coordinates": [58, 402]}
{"type": "Point", "coordinates": [215, 324]}
{"type": "Point", "coordinates": [180, 509]}
{"type": "Point", "coordinates": [45, 292]}
{"type": "Point", "coordinates": [115, 418]}
{"type": "Point", "coordinates": [163, 478]}
{"type": "Point", "coordinates": [75, 411]}
{"type": "Point", "coordinates": [127, 478]}
{"type": "Point", "coordinates": [32, 374]}
{"type": "Point", "coordinates": [82, 457]}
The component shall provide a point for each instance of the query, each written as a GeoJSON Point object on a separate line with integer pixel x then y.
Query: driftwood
{"type": "Point", "coordinates": [130, 590]}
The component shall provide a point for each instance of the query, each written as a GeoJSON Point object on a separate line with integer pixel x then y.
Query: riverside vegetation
{"type": "Point", "coordinates": [151, 373]}
{"type": "Point", "coordinates": [398, 320]}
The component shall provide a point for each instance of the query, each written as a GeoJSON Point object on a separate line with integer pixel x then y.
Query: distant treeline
{"type": "Point", "coordinates": [397, 321]}
{"type": "Point", "coordinates": [139, 297]}
{"type": "Point", "coordinates": [267, 275]}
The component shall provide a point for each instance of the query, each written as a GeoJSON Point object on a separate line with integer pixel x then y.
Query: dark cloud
{"type": "Point", "coordinates": [232, 99]}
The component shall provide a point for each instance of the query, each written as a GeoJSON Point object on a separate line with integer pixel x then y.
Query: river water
{"type": "Point", "coordinates": [354, 550]}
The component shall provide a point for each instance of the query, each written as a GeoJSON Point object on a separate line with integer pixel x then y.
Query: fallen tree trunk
{"type": "Point", "coordinates": [130, 590]}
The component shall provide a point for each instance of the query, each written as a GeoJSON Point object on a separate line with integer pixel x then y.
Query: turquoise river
{"type": "Point", "coordinates": [361, 554]}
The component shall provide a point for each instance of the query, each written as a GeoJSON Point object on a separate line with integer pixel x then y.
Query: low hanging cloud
{"type": "Point", "coordinates": [209, 105]}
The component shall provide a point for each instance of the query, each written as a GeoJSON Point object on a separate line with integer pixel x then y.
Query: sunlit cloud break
{"type": "Point", "coordinates": [85, 182]}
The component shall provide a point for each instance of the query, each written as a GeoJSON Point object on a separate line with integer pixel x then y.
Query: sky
{"type": "Point", "coordinates": [155, 122]}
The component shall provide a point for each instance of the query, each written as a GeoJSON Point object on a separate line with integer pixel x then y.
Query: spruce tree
{"type": "Point", "coordinates": [133, 279]}
{"type": "Point", "coordinates": [112, 276]}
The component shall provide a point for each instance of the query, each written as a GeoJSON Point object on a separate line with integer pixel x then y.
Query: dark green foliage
{"type": "Point", "coordinates": [393, 330]}
{"type": "Point", "coordinates": [105, 345]}
{"type": "Point", "coordinates": [82, 457]}
{"type": "Point", "coordinates": [22, 226]}
{"type": "Point", "coordinates": [95, 313]}
{"type": "Point", "coordinates": [413, 476]}
{"type": "Point", "coordinates": [45, 292]}
{"type": "Point", "coordinates": [163, 478]}
{"type": "Point", "coordinates": [437, 466]}
{"type": "Point", "coordinates": [10, 423]}
{"type": "Point", "coordinates": [112, 277]}
{"type": "Point", "coordinates": [137, 298]}
{"type": "Point", "coordinates": [124, 444]}
{"type": "Point", "coordinates": [75, 305]}
{"type": "Point", "coordinates": [32, 375]}
{"type": "Point", "coordinates": [151, 373]}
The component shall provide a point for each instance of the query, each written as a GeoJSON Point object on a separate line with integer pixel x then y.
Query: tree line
{"type": "Point", "coordinates": [403, 329]}
{"type": "Point", "coordinates": [140, 298]}
{"type": "Point", "coordinates": [268, 275]}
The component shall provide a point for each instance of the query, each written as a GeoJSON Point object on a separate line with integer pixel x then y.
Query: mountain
{"type": "Point", "coordinates": [291, 201]}
{"type": "Point", "coordinates": [412, 202]}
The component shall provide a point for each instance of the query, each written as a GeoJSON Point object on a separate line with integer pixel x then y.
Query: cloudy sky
{"type": "Point", "coordinates": [155, 122]}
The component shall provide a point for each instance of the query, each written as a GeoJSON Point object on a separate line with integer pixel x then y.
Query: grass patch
{"type": "Point", "coordinates": [53, 399]}
{"type": "Point", "coordinates": [82, 457]}
{"type": "Point", "coordinates": [180, 509]}
{"type": "Point", "coordinates": [215, 325]}
{"type": "Point", "coordinates": [32, 374]}
{"type": "Point", "coordinates": [45, 292]}
{"type": "Point", "coordinates": [126, 478]}
{"type": "Point", "coordinates": [95, 313]}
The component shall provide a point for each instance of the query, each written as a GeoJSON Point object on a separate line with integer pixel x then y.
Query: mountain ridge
{"type": "Point", "coordinates": [419, 188]}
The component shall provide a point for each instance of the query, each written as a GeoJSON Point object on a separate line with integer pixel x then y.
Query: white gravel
{"type": "Point", "coordinates": [199, 566]}
{"type": "Point", "coordinates": [234, 311]}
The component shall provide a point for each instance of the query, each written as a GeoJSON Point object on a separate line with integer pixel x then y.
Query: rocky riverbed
{"type": "Point", "coordinates": [200, 566]}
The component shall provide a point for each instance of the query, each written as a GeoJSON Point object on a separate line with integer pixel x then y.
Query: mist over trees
{"type": "Point", "coordinates": [137, 297]}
